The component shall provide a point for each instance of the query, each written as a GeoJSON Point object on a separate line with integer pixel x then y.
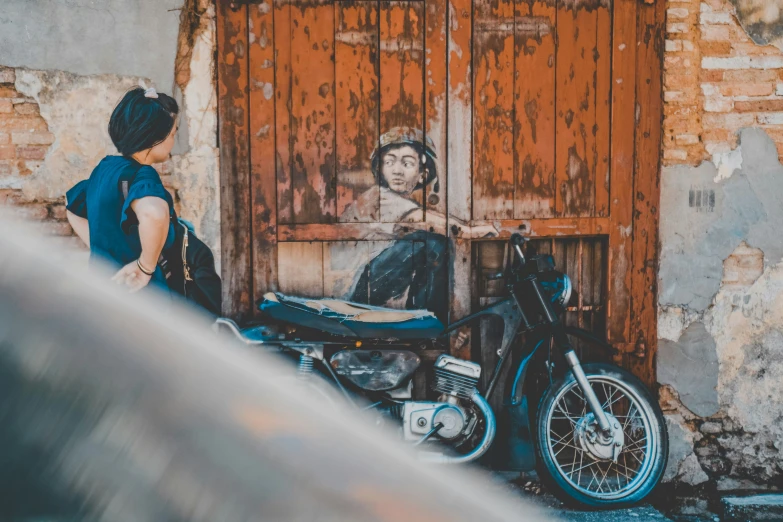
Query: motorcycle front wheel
{"type": "Point", "coordinates": [578, 463]}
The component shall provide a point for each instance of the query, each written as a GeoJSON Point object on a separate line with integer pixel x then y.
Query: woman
{"type": "Point", "coordinates": [122, 212]}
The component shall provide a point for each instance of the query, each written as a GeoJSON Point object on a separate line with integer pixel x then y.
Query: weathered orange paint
{"type": "Point", "coordinates": [523, 100]}
{"type": "Point", "coordinates": [356, 100]}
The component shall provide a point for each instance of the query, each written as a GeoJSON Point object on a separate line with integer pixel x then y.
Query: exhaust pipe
{"type": "Point", "coordinates": [478, 451]}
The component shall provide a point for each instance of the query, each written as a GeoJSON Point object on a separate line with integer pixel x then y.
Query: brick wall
{"type": "Point", "coordinates": [24, 141]}
{"type": "Point", "coordinates": [716, 81]}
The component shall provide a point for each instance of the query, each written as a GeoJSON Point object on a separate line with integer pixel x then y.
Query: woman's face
{"type": "Point", "coordinates": [400, 169]}
{"type": "Point", "coordinates": [160, 152]}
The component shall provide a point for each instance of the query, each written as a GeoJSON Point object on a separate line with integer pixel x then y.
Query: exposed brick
{"type": "Point", "coordinates": [26, 108]}
{"type": "Point", "coordinates": [31, 152]}
{"type": "Point", "coordinates": [676, 28]}
{"type": "Point", "coordinates": [743, 62]}
{"type": "Point", "coordinates": [716, 48]}
{"type": "Point", "coordinates": [718, 104]}
{"type": "Point", "coordinates": [6, 106]}
{"type": "Point", "coordinates": [712, 134]}
{"type": "Point", "coordinates": [759, 105]}
{"type": "Point", "coordinates": [771, 118]}
{"type": "Point", "coordinates": [716, 18]}
{"type": "Point", "coordinates": [747, 89]}
{"type": "Point", "coordinates": [5, 167]}
{"type": "Point", "coordinates": [687, 139]}
{"type": "Point", "coordinates": [677, 12]}
{"type": "Point", "coordinates": [716, 148]}
{"type": "Point", "coordinates": [7, 75]}
{"type": "Point", "coordinates": [8, 91]}
{"type": "Point", "coordinates": [673, 45]}
{"type": "Point", "coordinates": [5, 138]}
{"type": "Point", "coordinates": [670, 96]}
{"type": "Point", "coordinates": [687, 45]}
{"type": "Point", "coordinates": [10, 196]}
{"type": "Point", "coordinates": [711, 76]}
{"type": "Point", "coordinates": [32, 212]}
{"type": "Point", "coordinates": [715, 32]}
{"type": "Point", "coordinates": [7, 152]}
{"type": "Point", "coordinates": [753, 49]}
{"type": "Point", "coordinates": [750, 75]}
{"type": "Point", "coordinates": [22, 123]}
{"type": "Point", "coordinates": [32, 138]}
{"type": "Point", "coordinates": [58, 212]}
{"type": "Point", "coordinates": [675, 154]}
{"type": "Point", "coordinates": [732, 121]}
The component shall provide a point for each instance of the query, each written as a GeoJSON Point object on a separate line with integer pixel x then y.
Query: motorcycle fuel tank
{"type": "Point", "coordinates": [375, 370]}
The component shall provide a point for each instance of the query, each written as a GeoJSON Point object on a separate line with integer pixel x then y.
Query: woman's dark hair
{"type": "Point", "coordinates": [139, 123]}
{"type": "Point", "coordinates": [429, 167]}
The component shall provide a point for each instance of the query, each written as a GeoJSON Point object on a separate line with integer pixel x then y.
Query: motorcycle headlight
{"type": "Point", "coordinates": [558, 286]}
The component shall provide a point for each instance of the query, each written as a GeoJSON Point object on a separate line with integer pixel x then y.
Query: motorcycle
{"type": "Point", "coordinates": [594, 433]}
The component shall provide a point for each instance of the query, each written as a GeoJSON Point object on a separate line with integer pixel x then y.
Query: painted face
{"type": "Point", "coordinates": [400, 168]}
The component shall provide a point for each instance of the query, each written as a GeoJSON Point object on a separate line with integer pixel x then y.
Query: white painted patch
{"type": "Point", "coordinates": [726, 163]}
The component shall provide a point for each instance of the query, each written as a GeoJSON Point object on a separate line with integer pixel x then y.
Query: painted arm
{"type": "Point", "coordinates": [439, 222]}
{"type": "Point", "coordinates": [80, 226]}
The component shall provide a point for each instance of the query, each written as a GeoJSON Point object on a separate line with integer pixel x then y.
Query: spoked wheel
{"type": "Point", "coordinates": [582, 464]}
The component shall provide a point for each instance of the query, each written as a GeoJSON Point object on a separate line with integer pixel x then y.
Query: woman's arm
{"type": "Point", "coordinates": [80, 226]}
{"type": "Point", "coordinates": [153, 215]}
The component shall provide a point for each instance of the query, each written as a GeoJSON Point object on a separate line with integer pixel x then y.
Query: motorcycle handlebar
{"type": "Point", "coordinates": [517, 240]}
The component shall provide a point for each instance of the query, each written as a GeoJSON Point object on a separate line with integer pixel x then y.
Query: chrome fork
{"type": "Point", "coordinates": [584, 384]}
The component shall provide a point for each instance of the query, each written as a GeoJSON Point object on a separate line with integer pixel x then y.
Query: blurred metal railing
{"type": "Point", "coordinates": [128, 408]}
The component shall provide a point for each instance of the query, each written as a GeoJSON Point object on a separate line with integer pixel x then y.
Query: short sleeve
{"type": "Point", "coordinates": [147, 183]}
{"type": "Point", "coordinates": [76, 199]}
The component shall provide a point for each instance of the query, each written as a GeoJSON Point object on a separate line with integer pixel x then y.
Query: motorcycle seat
{"type": "Point", "coordinates": [350, 319]}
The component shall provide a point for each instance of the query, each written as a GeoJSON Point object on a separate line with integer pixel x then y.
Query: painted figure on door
{"type": "Point", "coordinates": [413, 272]}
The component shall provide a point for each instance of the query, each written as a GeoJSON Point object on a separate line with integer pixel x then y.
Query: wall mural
{"type": "Point", "coordinates": [412, 272]}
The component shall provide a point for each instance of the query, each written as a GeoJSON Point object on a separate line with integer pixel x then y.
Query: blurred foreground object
{"type": "Point", "coordinates": [126, 410]}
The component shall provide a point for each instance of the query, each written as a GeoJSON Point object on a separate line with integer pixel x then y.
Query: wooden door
{"type": "Point", "coordinates": [539, 116]}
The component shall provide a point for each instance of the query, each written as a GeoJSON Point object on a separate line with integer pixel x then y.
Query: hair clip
{"type": "Point", "coordinates": [151, 93]}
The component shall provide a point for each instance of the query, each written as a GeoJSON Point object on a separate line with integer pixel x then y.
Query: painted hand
{"type": "Point", "coordinates": [132, 277]}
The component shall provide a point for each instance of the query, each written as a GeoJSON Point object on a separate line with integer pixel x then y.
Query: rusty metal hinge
{"type": "Point", "coordinates": [234, 5]}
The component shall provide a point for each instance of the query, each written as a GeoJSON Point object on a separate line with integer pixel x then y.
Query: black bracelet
{"type": "Point", "coordinates": [138, 263]}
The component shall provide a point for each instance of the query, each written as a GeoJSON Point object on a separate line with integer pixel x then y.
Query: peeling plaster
{"type": "Point", "coordinates": [721, 313]}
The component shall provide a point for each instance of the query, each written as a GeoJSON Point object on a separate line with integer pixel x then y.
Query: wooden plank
{"type": "Point", "coordinates": [313, 177]}
{"type": "Point", "coordinates": [555, 227]}
{"type": "Point", "coordinates": [460, 103]}
{"type": "Point", "coordinates": [357, 104]}
{"type": "Point", "coordinates": [603, 89]}
{"type": "Point", "coordinates": [234, 161]}
{"type": "Point", "coordinates": [301, 269]}
{"type": "Point", "coordinates": [344, 262]}
{"type": "Point", "coordinates": [460, 162]}
{"type": "Point", "coordinates": [283, 157]}
{"type": "Point", "coordinates": [575, 99]}
{"type": "Point", "coordinates": [263, 184]}
{"type": "Point", "coordinates": [622, 165]}
{"type": "Point", "coordinates": [534, 96]}
{"type": "Point", "coordinates": [493, 110]}
{"type": "Point", "coordinates": [435, 89]}
{"type": "Point", "coordinates": [402, 87]}
{"type": "Point", "coordinates": [644, 271]}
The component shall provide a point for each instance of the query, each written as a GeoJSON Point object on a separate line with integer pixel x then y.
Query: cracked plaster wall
{"type": "Point", "coordinates": [721, 315]}
{"type": "Point", "coordinates": [78, 72]}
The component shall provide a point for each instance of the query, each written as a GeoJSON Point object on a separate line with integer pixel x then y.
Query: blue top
{"type": "Point", "coordinates": [114, 228]}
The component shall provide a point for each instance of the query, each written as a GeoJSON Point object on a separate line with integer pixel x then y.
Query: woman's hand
{"type": "Point", "coordinates": [132, 277]}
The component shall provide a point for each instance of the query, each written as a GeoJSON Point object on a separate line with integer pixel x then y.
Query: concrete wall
{"type": "Point", "coordinates": [720, 357]}
{"type": "Point", "coordinates": [63, 67]}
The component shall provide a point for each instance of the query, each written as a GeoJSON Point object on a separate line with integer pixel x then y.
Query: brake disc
{"type": "Point", "coordinates": [596, 443]}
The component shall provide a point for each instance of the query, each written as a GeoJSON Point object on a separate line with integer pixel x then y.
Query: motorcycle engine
{"type": "Point", "coordinates": [455, 380]}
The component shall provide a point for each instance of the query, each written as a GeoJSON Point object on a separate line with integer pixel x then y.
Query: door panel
{"type": "Point", "coordinates": [522, 102]}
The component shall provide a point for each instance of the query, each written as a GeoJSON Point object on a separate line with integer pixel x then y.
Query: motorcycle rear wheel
{"type": "Point", "coordinates": [571, 461]}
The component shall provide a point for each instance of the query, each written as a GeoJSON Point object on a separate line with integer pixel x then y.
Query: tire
{"type": "Point", "coordinates": [563, 460]}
